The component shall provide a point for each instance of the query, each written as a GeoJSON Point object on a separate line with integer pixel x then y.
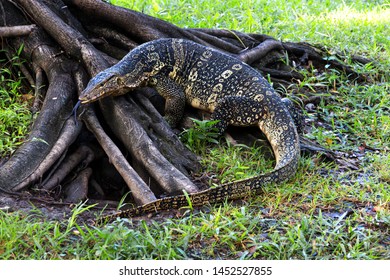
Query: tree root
{"type": "Point", "coordinates": [77, 190]}
{"type": "Point", "coordinates": [66, 138]}
{"type": "Point", "coordinates": [121, 118]}
{"type": "Point", "coordinates": [251, 55]}
{"type": "Point", "coordinates": [83, 155]}
{"type": "Point", "coordinates": [16, 31]}
{"type": "Point", "coordinates": [140, 191]}
{"type": "Point", "coordinates": [46, 129]}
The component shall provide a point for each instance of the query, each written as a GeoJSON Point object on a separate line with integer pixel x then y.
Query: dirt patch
{"type": "Point", "coordinates": [48, 210]}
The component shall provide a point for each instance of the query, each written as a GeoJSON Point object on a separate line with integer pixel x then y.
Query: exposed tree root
{"type": "Point", "coordinates": [16, 31]}
{"type": "Point", "coordinates": [260, 51]}
{"type": "Point", "coordinates": [82, 156]}
{"type": "Point", "coordinates": [140, 190]}
{"type": "Point", "coordinates": [124, 125]}
{"type": "Point", "coordinates": [66, 138]}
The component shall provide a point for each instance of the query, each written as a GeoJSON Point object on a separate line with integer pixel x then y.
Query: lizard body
{"type": "Point", "coordinates": [184, 72]}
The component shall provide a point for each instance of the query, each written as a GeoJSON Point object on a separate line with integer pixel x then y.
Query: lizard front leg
{"type": "Point", "coordinates": [174, 99]}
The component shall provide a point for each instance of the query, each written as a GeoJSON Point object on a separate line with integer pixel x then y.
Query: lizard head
{"type": "Point", "coordinates": [102, 85]}
{"type": "Point", "coordinates": [133, 71]}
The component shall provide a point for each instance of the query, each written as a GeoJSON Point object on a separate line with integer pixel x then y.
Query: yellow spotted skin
{"type": "Point", "coordinates": [187, 73]}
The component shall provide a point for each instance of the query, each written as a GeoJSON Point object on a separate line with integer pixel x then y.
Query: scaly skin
{"type": "Point", "coordinates": [184, 72]}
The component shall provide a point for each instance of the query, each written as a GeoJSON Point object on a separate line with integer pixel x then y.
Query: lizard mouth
{"type": "Point", "coordinates": [92, 96]}
{"type": "Point", "coordinates": [86, 100]}
{"type": "Point", "coordinates": [89, 96]}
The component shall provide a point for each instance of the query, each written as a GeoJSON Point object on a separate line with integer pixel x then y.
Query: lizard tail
{"type": "Point", "coordinates": [282, 134]}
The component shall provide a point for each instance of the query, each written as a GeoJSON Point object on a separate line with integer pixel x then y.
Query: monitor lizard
{"type": "Point", "coordinates": [184, 72]}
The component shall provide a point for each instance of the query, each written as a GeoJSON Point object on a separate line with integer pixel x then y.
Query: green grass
{"type": "Point", "coordinates": [15, 117]}
{"type": "Point", "coordinates": [225, 232]}
{"type": "Point", "coordinates": [324, 212]}
{"type": "Point", "coordinates": [229, 162]}
{"type": "Point", "coordinates": [328, 22]}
